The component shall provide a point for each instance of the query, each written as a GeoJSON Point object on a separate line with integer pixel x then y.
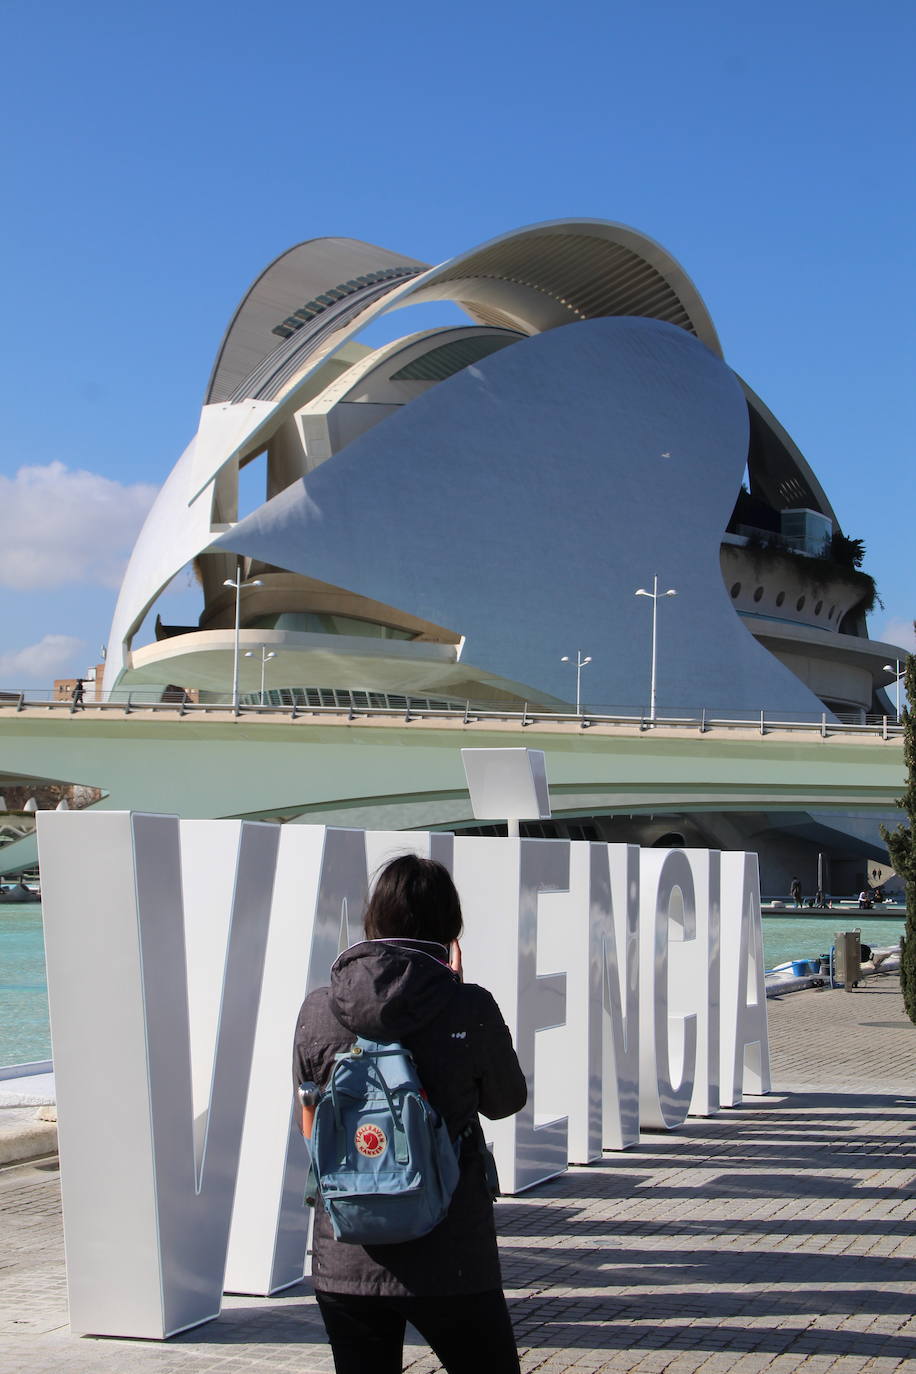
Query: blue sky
{"type": "Point", "coordinates": [156, 158]}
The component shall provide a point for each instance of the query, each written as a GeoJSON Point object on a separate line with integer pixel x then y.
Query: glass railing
{"type": "Point", "coordinates": [812, 547]}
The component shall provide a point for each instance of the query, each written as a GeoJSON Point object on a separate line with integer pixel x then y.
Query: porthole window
{"type": "Point", "coordinates": [758, 593]}
{"type": "Point", "coordinates": [736, 590]}
{"type": "Point", "coordinates": [800, 604]}
{"type": "Point", "coordinates": [831, 613]}
{"type": "Point", "coordinates": [780, 598]}
{"type": "Point", "coordinates": [818, 608]}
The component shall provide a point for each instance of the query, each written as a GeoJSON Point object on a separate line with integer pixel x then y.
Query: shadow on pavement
{"type": "Point", "coordinates": [584, 1272]}
{"type": "Point", "coordinates": [607, 1328]}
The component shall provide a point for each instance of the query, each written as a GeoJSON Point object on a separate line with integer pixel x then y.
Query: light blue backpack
{"type": "Point", "coordinates": [383, 1164]}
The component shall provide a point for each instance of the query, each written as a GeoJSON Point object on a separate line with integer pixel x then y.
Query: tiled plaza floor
{"type": "Point", "coordinates": [778, 1236]}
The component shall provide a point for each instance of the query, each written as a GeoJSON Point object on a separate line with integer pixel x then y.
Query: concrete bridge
{"type": "Point", "coordinates": [394, 770]}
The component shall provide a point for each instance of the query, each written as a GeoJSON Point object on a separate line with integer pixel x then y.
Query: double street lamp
{"type": "Point", "coordinates": [580, 664]}
{"type": "Point", "coordinates": [899, 674]}
{"type": "Point", "coordinates": [655, 594]}
{"type": "Point", "coordinates": [265, 659]}
{"type": "Point", "coordinates": [237, 584]}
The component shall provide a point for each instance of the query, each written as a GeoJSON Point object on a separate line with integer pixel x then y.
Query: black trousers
{"type": "Point", "coordinates": [468, 1332]}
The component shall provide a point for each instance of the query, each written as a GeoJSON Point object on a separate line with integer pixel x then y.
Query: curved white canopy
{"type": "Point", "coordinates": [530, 280]}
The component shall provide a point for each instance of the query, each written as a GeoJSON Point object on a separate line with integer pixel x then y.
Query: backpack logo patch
{"type": "Point", "coordinates": [370, 1141]}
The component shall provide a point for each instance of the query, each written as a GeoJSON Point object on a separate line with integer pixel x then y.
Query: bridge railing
{"type": "Point", "coordinates": [356, 705]}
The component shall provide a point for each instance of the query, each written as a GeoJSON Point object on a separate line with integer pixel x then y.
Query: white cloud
{"type": "Point", "coordinates": [898, 632]}
{"type": "Point", "coordinates": [37, 664]}
{"type": "Point", "coordinates": [59, 526]}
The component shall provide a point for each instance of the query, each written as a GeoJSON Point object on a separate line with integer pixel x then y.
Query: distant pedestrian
{"type": "Point", "coordinates": [76, 696]}
{"type": "Point", "coordinates": [795, 892]}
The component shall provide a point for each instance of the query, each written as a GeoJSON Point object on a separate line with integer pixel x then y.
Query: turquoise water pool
{"type": "Point", "coordinates": [24, 1032]}
{"type": "Point", "coordinates": [800, 937]}
{"type": "Point", "coordinates": [25, 1035]}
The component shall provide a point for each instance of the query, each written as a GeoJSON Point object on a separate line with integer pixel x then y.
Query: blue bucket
{"type": "Point", "coordinates": [801, 968]}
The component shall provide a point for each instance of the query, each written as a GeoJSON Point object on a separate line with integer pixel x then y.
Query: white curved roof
{"type": "Point", "coordinates": [302, 274]}
{"type": "Point", "coordinates": [530, 280]}
{"type": "Point", "coordinates": [564, 270]}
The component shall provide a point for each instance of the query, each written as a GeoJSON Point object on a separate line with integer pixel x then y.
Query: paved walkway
{"type": "Point", "coordinates": [778, 1236]}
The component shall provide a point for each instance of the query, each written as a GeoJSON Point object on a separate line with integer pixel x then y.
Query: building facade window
{"type": "Point", "coordinates": [326, 623]}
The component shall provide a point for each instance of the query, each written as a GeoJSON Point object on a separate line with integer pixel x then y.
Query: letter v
{"type": "Point", "coordinates": [146, 1213]}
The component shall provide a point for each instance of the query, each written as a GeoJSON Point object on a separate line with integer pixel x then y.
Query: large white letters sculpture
{"type": "Point", "coordinates": [173, 1004]}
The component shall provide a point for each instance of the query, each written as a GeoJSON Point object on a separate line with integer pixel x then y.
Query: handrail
{"type": "Point", "coordinates": [469, 715]}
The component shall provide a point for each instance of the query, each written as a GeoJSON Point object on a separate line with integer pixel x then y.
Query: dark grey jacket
{"type": "Point", "coordinates": [401, 990]}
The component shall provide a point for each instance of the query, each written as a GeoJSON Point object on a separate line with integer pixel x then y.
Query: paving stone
{"type": "Point", "coordinates": [775, 1237]}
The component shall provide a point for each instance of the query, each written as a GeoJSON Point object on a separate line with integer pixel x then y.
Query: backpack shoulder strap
{"type": "Point", "coordinates": [374, 1050]}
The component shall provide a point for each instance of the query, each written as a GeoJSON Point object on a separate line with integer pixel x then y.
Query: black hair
{"type": "Point", "coordinates": [414, 899]}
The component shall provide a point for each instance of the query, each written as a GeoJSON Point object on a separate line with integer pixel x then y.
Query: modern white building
{"type": "Point", "coordinates": [449, 515]}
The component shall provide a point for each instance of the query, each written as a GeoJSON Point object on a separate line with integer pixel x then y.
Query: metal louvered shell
{"type": "Point", "coordinates": [530, 280]}
{"type": "Point", "coordinates": [293, 352]}
{"type": "Point", "coordinates": [585, 276]}
{"type": "Point", "coordinates": [450, 358]}
{"type": "Point", "coordinates": [299, 275]}
{"type": "Point", "coordinates": [481, 314]}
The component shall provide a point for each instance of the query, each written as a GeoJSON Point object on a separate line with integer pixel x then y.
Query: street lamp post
{"type": "Point", "coordinates": [654, 594]}
{"type": "Point", "coordinates": [580, 664]}
{"type": "Point", "coordinates": [237, 583]}
{"type": "Point", "coordinates": [265, 658]}
{"type": "Point", "coordinates": [899, 674]}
